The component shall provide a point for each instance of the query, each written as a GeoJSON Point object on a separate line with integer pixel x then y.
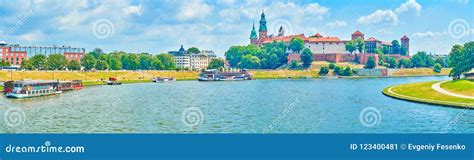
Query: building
{"type": "Point", "coordinates": [469, 75]}
{"type": "Point", "coordinates": [16, 54]}
{"type": "Point", "coordinates": [324, 48]}
{"type": "Point", "coordinates": [184, 59]}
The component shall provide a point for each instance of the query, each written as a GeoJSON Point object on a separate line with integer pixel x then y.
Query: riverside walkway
{"type": "Point", "coordinates": [437, 88]}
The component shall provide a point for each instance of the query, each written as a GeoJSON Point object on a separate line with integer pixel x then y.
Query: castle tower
{"type": "Point", "coordinates": [262, 30]}
{"type": "Point", "coordinates": [281, 32]}
{"type": "Point", "coordinates": [357, 34]}
{"type": "Point", "coordinates": [405, 42]}
{"type": "Point", "coordinates": [253, 35]}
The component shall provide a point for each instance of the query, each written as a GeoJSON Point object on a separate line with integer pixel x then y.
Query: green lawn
{"type": "Point", "coordinates": [463, 86]}
{"type": "Point", "coordinates": [422, 92]}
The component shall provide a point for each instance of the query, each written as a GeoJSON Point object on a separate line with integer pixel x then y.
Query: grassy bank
{"type": "Point", "coordinates": [463, 87]}
{"type": "Point", "coordinates": [419, 72]}
{"type": "Point", "coordinates": [95, 76]}
{"type": "Point", "coordinates": [423, 93]}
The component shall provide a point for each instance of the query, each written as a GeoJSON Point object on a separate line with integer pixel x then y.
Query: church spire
{"type": "Point", "coordinates": [253, 33]}
{"type": "Point", "coordinates": [263, 22]}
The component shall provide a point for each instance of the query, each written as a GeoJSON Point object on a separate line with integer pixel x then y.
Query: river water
{"type": "Point", "coordinates": [257, 106]}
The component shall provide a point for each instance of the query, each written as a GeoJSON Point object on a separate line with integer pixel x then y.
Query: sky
{"type": "Point", "coordinates": [163, 25]}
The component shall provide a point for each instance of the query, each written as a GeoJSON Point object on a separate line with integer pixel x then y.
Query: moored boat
{"type": "Point", "coordinates": [28, 89]}
{"type": "Point", "coordinates": [70, 85]}
{"type": "Point", "coordinates": [163, 79]}
{"type": "Point", "coordinates": [215, 75]}
{"type": "Point", "coordinates": [113, 81]}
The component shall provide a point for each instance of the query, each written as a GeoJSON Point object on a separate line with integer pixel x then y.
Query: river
{"type": "Point", "coordinates": [257, 106]}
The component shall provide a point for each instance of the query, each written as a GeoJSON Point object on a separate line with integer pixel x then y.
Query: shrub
{"type": "Point", "coordinates": [437, 68]}
{"type": "Point", "coordinates": [323, 71]}
{"type": "Point", "coordinates": [331, 65]}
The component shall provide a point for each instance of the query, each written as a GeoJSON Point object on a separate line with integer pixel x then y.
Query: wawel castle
{"type": "Point", "coordinates": [326, 48]}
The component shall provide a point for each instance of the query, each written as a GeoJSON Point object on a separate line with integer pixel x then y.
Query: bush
{"type": "Point", "coordinates": [294, 64]}
{"type": "Point", "coordinates": [323, 71]}
{"type": "Point", "coordinates": [437, 68]}
{"type": "Point", "coordinates": [392, 62]}
{"type": "Point", "coordinates": [331, 65]}
{"type": "Point", "coordinates": [370, 63]}
{"type": "Point", "coordinates": [347, 71]}
{"type": "Point", "coordinates": [338, 70]}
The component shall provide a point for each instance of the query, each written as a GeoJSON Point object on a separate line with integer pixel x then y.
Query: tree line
{"type": "Point", "coordinates": [269, 56]}
{"type": "Point", "coordinates": [99, 60]}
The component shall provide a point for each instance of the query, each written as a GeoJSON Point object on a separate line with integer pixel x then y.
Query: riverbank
{"type": "Point", "coordinates": [423, 92]}
{"type": "Point", "coordinates": [97, 77]}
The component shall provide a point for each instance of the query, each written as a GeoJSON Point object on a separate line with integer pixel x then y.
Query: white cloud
{"type": "Point", "coordinates": [137, 10]}
{"type": "Point", "coordinates": [389, 16]}
{"type": "Point", "coordinates": [193, 10]}
{"type": "Point", "coordinates": [337, 24]}
{"type": "Point", "coordinates": [316, 10]}
{"type": "Point", "coordinates": [378, 17]}
{"type": "Point", "coordinates": [32, 36]}
{"type": "Point", "coordinates": [462, 1]}
{"type": "Point", "coordinates": [429, 34]}
{"type": "Point", "coordinates": [407, 6]}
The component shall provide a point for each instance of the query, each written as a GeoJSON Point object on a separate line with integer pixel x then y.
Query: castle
{"type": "Point", "coordinates": [326, 48]}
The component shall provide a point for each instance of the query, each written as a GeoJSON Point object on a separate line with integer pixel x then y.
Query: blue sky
{"type": "Point", "coordinates": [160, 26]}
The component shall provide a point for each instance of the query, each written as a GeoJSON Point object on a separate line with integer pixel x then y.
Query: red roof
{"type": "Point", "coordinates": [358, 33]}
{"type": "Point", "coordinates": [372, 39]}
{"type": "Point", "coordinates": [306, 39]}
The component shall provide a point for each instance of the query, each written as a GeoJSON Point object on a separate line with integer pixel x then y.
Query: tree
{"type": "Point", "coordinates": [56, 62]}
{"type": "Point", "coordinates": [351, 46]}
{"type": "Point", "coordinates": [405, 63]}
{"type": "Point", "coordinates": [216, 64]}
{"type": "Point", "coordinates": [442, 62]}
{"type": "Point", "coordinates": [370, 64]}
{"type": "Point", "coordinates": [296, 44]}
{"type": "Point", "coordinates": [392, 62]}
{"type": "Point", "coordinates": [156, 63]}
{"type": "Point", "coordinates": [145, 61]}
{"type": "Point", "coordinates": [294, 64]}
{"type": "Point", "coordinates": [38, 61]}
{"type": "Point", "coordinates": [306, 57]}
{"type": "Point", "coordinates": [421, 59]}
{"type": "Point", "coordinates": [27, 64]}
{"type": "Point", "coordinates": [332, 65]}
{"type": "Point", "coordinates": [114, 62]}
{"type": "Point", "coordinates": [88, 61]}
{"type": "Point", "coordinates": [360, 45]}
{"type": "Point", "coordinates": [386, 50]}
{"type": "Point", "coordinates": [403, 51]}
{"type": "Point", "coordinates": [193, 50]}
{"type": "Point", "coordinates": [250, 62]}
{"type": "Point", "coordinates": [5, 63]}
{"type": "Point", "coordinates": [167, 60]}
{"type": "Point", "coordinates": [347, 71]}
{"type": "Point", "coordinates": [73, 65]}
{"type": "Point", "coordinates": [133, 62]}
{"type": "Point", "coordinates": [395, 47]}
{"type": "Point", "coordinates": [437, 68]}
{"type": "Point", "coordinates": [338, 70]}
{"type": "Point", "coordinates": [461, 59]}
{"type": "Point", "coordinates": [323, 71]}
{"type": "Point", "coordinates": [102, 65]}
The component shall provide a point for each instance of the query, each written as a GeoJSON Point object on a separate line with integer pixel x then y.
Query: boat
{"type": "Point", "coordinates": [113, 81]}
{"type": "Point", "coordinates": [70, 85]}
{"type": "Point", "coordinates": [215, 75]}
{"type": "Point", "coordinates": [28, 89]}
{"type": "Point", "coordinates": [164, 79]}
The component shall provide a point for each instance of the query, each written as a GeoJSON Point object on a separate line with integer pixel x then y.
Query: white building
{"type": "Point", "coordinates": [200, 60]}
